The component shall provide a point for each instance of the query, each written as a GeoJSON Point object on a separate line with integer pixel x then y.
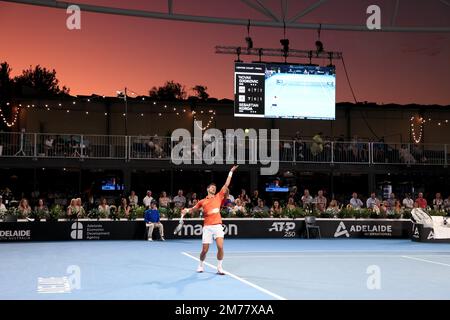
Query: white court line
{"type": "Point", "coordinates": [240, 279]}
{"type": "Point", "coordinates": [429, 261]}
{"type": "Point", "coordinates": [328, 256]}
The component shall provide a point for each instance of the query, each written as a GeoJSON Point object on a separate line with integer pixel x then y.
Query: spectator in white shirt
{"type": "Point", "coordinates": [133, 199]}
{"type": "Point", "coordinates": [408, 203]}
{"type": "Point", "coordinates": [179, 200]}
{"type": "Point", "coordinates": [355, 202]}
{"type": "Point", "coordinates": [372, 201]}
{"type": "Point", "coordinates": [148, 199]}
{"type": "Point", "coordinates": [306, 199]}
{"type": "Point", "coordinates": [320, 201]}
{"type": "Point", "coordinates": [438, 202]}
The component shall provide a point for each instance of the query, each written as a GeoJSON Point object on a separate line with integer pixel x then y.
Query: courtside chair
{"type": "Point", "coordinates": [310, 223]}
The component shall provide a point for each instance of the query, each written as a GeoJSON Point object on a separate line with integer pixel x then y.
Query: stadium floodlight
{"type": "Point", "coordinates": [249, 43]}
{"type": "Point", "coordinates": [285, 44]}
{"type": "Point", "coordinates": [248, 39]}
{"type": "Point", "coordinates": [319, 46]}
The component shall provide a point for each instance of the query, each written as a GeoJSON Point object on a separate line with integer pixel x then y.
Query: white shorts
{"type": "Point", "coordinates": [212, 232]}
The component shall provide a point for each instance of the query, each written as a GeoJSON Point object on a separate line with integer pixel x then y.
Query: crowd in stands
{"type": "Point", "coordinates": [242, 205]}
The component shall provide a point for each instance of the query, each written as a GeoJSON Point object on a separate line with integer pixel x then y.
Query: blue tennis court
{"type": "Point", "coordinates": [258, 269]}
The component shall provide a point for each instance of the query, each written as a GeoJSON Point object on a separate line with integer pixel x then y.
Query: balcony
{"type": "Point", "coordinates": [135, 148]}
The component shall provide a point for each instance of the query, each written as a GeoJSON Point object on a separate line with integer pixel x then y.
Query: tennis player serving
{"type": "Point", "coordinates": [212, 226]}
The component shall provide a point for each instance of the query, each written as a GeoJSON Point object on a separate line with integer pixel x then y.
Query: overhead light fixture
{"type": "Point", "coordinates": [248, 39]}
{"type": "Point", "coordinates": [249, 42]}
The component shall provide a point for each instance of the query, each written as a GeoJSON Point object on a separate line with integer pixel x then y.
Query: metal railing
{"type": "Point", "coordinates": [40, 145]}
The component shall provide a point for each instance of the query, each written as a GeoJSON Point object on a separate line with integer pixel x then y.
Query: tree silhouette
{"type": "Point", "coordinates": [39, 82]}
{"type": "Point", "coordinates": [200, 92]}
{"type": "Point", "coordinates": [6, 83]}
{"type": "Point", "coordinates": [169, 92]}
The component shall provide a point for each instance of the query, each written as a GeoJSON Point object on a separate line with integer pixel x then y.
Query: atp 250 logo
{"type": "Point", "coordinates": [287, 227]}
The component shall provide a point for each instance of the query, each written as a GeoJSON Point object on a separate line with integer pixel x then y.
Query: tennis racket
{"type": "Point", "coordinates": [179, 226]}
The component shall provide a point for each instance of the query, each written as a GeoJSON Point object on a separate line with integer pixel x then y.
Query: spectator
{"type": "Point", "coordinates": [307, 199]}
{"type": "Point", "coordinates": [372, 201]}
{"type": "Point", "coordinates": [148, 199]}
{"type": "Point", "coordinates": [72, 212]}
{"type": "Point", "coordinates": [193, 200]}
{"type": "Point", "coordinates": [384, 206]}
{"type": "Point", "coordinates": [124, 209]}
{"type": "Point", "coordinates": [244, 197]}
{"type": "Point", "coordinates": [179, 200]}
{"type": "Point", "coordinates": [48, 146]}
{"type": "Point", "coordinates": [355, 202]}
{"type": "Point", "coordinates": [79, 207]}
{"type": "Point", "coordinates": [333, 208]}
{"type": "Point", "coordinates": [391, 201]}
{"type": "Point", "coordinates": [104, 208]}
{"type": "Point", "coordinates": [164, 200]}
{"type": "Point", "coordinates": [238, 207]}
{"type": "Point", "coordinates": [2, 206]}
{"type": "Point", "coordinates": [152, 220]}
{"type": "Point", "coordinates": [421, 201]}
{"type": "Point", "coordinates": [255, 198]}
{"type": "Point", "coordinates": [447, 205]}
{"type": "Point", "coordinates": [287, 151]}
{"type": "Point", "coordinates": [438, 202]}
{"type": "Point", "coordinates": [261, 207]}
{"type": "Point", "coordinates": [276, 210]}
{"type": "Point", "coordinates": [317, 145]}
{"type": "Point", "coordinates": [291, 204]}
{"type": "Point", "coordinates": [320, 201]}
{"type": "Point", "coordinates": [231, 198]}
{"type": "Point", "coordinates": [406, 156]}
{"type": "Point", "coordinates": [134, 200]}
{"type": "Point", "coordinates": [398, 207]}
{"type": "Point", "coordinates": [299, 147]}
{"type": "Point", "coordinates": [41, 207]}
{"type": "Point", "coordinates": [408, 203]}
{"type": "Point", "coordinates": [294, 194]}
{"type": "Point", "coordinates": [24, 208]}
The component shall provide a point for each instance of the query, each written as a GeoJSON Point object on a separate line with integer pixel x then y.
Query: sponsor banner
{"type": "Point", "coordinates": [192, 229]}
{"type": "Point", "coordinates": [422, 234]}
{"type": "Point", "coordinates": [365, 228]}
{"type": "Point", "coordinates": [72, 230]}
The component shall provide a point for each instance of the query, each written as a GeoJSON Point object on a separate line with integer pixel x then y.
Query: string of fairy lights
{"type": "Point", "coordinates": [15, 115]}
{"type": "Point", "coordinates": [201, 115]}
{"type": "Point", "coordinates": [417, 123]}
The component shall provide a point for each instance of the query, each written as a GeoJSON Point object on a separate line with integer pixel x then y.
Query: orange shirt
{"type": "Point", "coordinates": [211, 208]}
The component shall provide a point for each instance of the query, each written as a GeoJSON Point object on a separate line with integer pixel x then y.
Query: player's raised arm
{"type": "Point", "coordinates": [192, 210]}
{"type": "Point", "coordinates": [230, 174]}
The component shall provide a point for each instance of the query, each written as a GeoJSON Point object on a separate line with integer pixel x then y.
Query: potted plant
{"type": "Point", "coordinates": [406, 214]}
{"type": "Point", "coordinates": [94, 214]}
{"type": "Point", "coordinates": [54, 213]}
{"type": "Point", "coordinates": [12, 214]}
{"type": "Point", "coordinates": [39, 214]}
{"type": "Point", "coordinates": [225, 213]}
{"type": "Point", "coordinates": [140, 211]}
{"type": "Point", "coordinates": [261, 214]}
{"type": "Point", "coordinates": [113, 213]}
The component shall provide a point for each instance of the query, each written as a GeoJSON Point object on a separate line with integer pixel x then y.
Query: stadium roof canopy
{"type": "Point", "coordinates": [417, 15]}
